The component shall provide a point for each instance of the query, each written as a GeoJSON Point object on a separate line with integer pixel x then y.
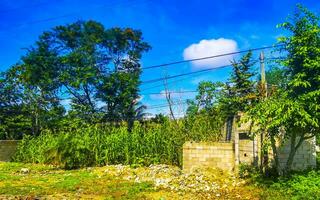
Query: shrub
{"type": "Point", "coordinates": [248, 170]}
{"type": "Point", "coordinates": [302, 185]}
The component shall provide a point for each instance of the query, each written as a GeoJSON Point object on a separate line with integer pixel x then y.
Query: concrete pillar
{"type": "Point", "coordinates": [236, 143]}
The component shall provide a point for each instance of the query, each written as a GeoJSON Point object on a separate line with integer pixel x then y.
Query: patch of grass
{"type": "Point", "coordinates": [299, 185]}
{"type": "Point", "coordinates": [50, 182]}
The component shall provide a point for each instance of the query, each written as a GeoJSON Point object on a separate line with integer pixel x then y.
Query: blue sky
{"type": "Point", "coordinates": [170, 27]}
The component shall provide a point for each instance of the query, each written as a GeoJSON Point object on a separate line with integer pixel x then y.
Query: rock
{"type": "Point", "coordinates": [24, 171]}
{"type": "Point", "coordinates": [173, 178]}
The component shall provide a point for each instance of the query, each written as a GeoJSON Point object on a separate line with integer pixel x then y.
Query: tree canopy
{"type": "Point", "coordinates": [83, 68]}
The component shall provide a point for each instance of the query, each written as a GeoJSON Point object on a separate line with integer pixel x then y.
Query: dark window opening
{"type": "Point", "coordinates": [244, 136]}
{"type": "Point", "coordinates": [229, 128]}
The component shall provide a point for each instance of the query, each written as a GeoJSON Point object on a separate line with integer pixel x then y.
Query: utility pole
{"type": "Point", "coordinates": [263, 76]}
{"type": "Point", "coordinates": [264, 94]}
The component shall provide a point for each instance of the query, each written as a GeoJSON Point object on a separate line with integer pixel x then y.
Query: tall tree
{"type": "Point", "coordinates": [296, 109]}
{"type": "Point", "coordinates": [89, 64]}
{"type": "Point", "coordinates": [240, 89]}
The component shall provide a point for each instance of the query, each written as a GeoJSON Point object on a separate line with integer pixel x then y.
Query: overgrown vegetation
{"type": "Point", "coordinates": [98, 145]}
{"type": "Point", "coordinates": [302, 185]}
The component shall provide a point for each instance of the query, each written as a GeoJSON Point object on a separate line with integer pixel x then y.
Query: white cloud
{"type": "Point", "coordinates": [211, 47]}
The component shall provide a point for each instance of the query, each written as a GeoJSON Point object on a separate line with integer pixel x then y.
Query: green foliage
{"type": "Point", "coordinates": [14, 119]}
{"type": "Point", "coordinates": [147, 143]}
{"type": "Point", "coordinates": [276, 77]}
{"type": "Point", "coordinates": [207, 97]}
{"type": "Point", "coordinates": [293, 111]}
{"type": "Point", "coordinates": [204, 126]}
{"type": "Point", "coordinates": [230, 98]}
{"type": "Point", "coordinates": [99, 145]}
{"type": "Point", "coordinates": [240, 93]}
{"type": "Point", "coordinates": [248, 171]}
{"type": "Point", "coordinates": [96, 70]}
{"type": "Point", "coordinates": [298, 186]}
{"type": "Point", "coordinates": [318, 160]}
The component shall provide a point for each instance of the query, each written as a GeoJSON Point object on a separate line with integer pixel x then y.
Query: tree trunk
{"type": "Point", "coordinates": [293, 149]}
{"type": "Point", "coordinates": [275, 154]}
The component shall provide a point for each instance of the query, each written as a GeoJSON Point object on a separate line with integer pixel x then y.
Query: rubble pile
{"type": "Point", "coordinates": [172, 178]}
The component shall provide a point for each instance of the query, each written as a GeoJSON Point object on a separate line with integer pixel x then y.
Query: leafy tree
{"type": "Point", "coordinates": [27, 105]}
{"type": "Point", "coordinates": [295, 110]}
{"type": "Point", "coordinates": [120, 90]}
{"type": "Point", "coordinates": [239, 92]}
{"type": "Point", "coordinates": [89, 64]}
{"type": "Point", "coordinates": [93, 67]}
{"type": "Point", "coordinates": [276, 77]}
{"type": "Point", "coordinates": [206, 98]}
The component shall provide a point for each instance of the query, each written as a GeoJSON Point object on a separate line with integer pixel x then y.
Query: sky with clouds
{"type": "Point", "coordinates": [176, 30]}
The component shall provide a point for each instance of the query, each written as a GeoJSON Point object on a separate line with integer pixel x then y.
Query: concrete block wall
{"type": "Point", "coordinates": [7, 149]}
{"type": "Point", "coordinates": [305, 156]}
{"type": "Point", "coordinates": [246, 151]}
{"type": "Point", "coordinates": [203, 154]}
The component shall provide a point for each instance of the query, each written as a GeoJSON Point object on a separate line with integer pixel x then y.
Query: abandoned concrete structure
{"type": "Point", "coordinates": [237, 147]}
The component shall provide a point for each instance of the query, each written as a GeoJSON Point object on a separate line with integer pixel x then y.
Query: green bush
{"type": "Point", "coordinates": [248, 171]}
{"type": "Point", "coordinates": [303, 185]}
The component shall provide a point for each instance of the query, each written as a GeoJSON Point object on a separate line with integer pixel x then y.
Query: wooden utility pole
{"type": "Point", "coordinates": [263, 76]}
{"type": "Point", "coordinates": [264, 94]}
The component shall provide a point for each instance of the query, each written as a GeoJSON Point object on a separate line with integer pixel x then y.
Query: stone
{"type": "Point", "coordinates": [24, 171]}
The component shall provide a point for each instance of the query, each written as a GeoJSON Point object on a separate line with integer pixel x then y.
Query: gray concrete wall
{"type": "Point", "coordinates": [206, 154]}
{"type": "Point", "coordinates": [305, 156]}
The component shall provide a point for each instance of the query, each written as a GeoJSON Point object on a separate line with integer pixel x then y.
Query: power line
{"type": "Point", "coordinates": [169, 83]}
{"type": "Point", "coordinates": [171, 92]}
{"type": "Point", "coordinates": [184, 74]}
{"type": "Point", "coordinates": [166, 105]}
{"type": "Point", "coordinates": [210, 57]}
{"type": "Point", "coordinates": [189, 73]}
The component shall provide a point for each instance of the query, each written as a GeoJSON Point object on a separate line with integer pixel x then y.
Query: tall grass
{"type": "Point", "coordinates": [97, 145]}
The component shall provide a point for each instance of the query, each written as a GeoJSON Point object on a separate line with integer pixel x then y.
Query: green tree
{"type": "Point", "coordinates": [240, 91]}
{"type": "Point", "coordinates": [276, 77]}
{"type": "Point", "coordinates": [295, 110]}
{"type": "Point", "coordinates": [207, 97]}
{"type": "Point", "coordinates": [89, 64]}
